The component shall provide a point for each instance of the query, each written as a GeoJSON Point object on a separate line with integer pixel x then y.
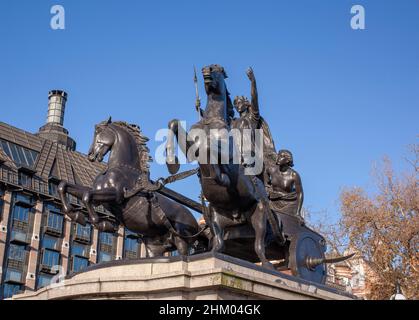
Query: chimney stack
{"type": "Point", "coordinates": [53, 130]}
{"type": "Point", "coordinates": [56, 106]}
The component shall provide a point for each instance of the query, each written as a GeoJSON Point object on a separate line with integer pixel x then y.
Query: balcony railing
{"type": "Point", "coordinates": [106, 248]}
{"type": "Point", "coordinates": [48, 269]}
{"type": "Point", "coordinates": [53, 231]}
{"type": "Point", "coordinates": [15, 263]}
{"type": "Point", "coordinates": [82, 238]}
{"type": "Point", "coordinates": [83, 254]}
{"type": "Point", "coordinates": [130, 255]}
{"type": "Point", "coordinates": [20, 225]}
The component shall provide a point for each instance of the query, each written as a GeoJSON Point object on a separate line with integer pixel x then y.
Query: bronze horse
{"type": "Point", "coordinates": [234, 198]}
{"type": "Point", "coordinates": [164, 224]}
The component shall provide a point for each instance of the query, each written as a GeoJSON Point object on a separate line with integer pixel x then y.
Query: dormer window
{"type": "Point", "coordinates": [20, 155]}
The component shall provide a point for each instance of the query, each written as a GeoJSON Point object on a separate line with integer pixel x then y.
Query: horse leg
{"type": "Point", "coordinates": [106, 195]}
{"type": "Point", "coordinates": [218, 232]}
{"type": "Point", "coordinates": [154, 250]}
{"type": "Point", "coordinates": [181, 246]}
{"type": "Point", "coordinates": [176, 131]}
{"type": "Point", "coordinates": [259, 221]}
{"type": "Point", "coordinates": [76, 191]}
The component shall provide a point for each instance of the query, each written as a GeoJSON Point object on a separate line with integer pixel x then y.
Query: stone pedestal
{"type": "Point", "coordinates": [204, 276]}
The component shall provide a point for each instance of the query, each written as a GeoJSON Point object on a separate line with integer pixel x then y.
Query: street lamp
{"type": "Point", "coordinates": [398, 295]}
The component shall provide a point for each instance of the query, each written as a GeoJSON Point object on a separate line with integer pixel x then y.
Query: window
{"type": "Point", "coordinates": [50, 258]}
{"type": "Point", "coordinates": [19, 236]}
{"type": "Point", "coordinates": [79, 263]}
{"type": "Point", "coordinates": [52, 207]}
{"type": "Point", "coordinates": [50, 243]}
{"type": "Point", "coordinates": [104, 257]}
{"type": "Point", "coordinates": [1, 202]}
{"type": "Point", "coordinates": [131, 248]}
{"type": "Point", "coordinates": [20, 224]}
{"type": "Point", "coordinates": [13, 275]}
{"type": "Point", "coordinates": [44, 280]}
{"type": "Point", "coordinates": [25, 180]}
{"type": "Point", "coordinates": [106, 238]}
{"type": "Point", "coordinates": [80, 250]}
{"type": "Point", "coordinates": [80, 254]}
{"type": "Point", "coordinates": [83, 232]}
{"type": "Point", "coordinates": [131, 244]}
{"type": "Point", "coordinates": [106, 246]}
{"type": "Point", "coordinates": [11, 289]}
{"type": "Point", "coordinates": [17, 253]}
{"type": "Point", "coordinates": [53, 188]}
{"type": "Point", "coordinates": [55, 221]}
{"type": "Point", "coordinates": [19, 197]}
{"type": "Point", "coordinates": [21, 213]}
{"type": "Point", "coordinates": [19, 154]}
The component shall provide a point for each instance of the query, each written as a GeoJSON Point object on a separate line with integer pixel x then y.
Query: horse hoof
{"type": "Point", "coordinates": [217, 249]}
{"type": "Point", "coordinates": [106, 226]}
{"type": "Point", "coordinates": [268, 265]}
{"type": "Point", "coordinates": [70, 209]}
{"type": "Point", "coordinates": [80, 218]}
{"type": "Point", "coordinates": [77, 216]}
{"type": "Point", "coordinates": [173, 167]}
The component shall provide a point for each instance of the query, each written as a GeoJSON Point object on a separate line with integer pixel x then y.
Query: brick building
{"type": "Point", "coordinates": [38, 242]}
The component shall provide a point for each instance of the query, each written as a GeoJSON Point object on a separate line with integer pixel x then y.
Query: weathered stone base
{"type": "Point", "coordinates": [205, 276]}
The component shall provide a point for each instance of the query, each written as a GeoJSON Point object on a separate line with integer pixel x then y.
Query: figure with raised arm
{"type": "Point", "coordinates": [250, 118]}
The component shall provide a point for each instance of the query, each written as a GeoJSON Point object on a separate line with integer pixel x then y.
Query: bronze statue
{"type": "Point", "coordinates": [250, 118]}
{"type": "Point", "coordinates": [225, 186]}
{"type": "Point", "coordinates": [239, 214]}
{"type": "Point", "coordinates": [163, 224]}
{"type": "Point", "coordinates": [284, 185]}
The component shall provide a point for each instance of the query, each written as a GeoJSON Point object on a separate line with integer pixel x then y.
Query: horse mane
{"type": "Point", "coordinates": [230, 108]}
{"type": "Point", "coordinates": [141, 140]}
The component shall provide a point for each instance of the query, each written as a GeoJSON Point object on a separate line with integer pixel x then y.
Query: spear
{"type": "Point", "coordinates": [197, 100]}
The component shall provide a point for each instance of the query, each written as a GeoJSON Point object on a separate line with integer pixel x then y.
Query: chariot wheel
{"type": "Point", "coordinates": [306, 248]}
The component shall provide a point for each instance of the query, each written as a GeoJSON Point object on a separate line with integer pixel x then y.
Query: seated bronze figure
{"type": "Point", "coordinates": [284, 186]}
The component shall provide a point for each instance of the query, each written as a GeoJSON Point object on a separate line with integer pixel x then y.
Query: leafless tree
{"type": "Point", "coordinates": [383, 228]}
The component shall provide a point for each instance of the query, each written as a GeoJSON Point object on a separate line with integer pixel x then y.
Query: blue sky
{"type": "Point", "coordinates": [338, 98]}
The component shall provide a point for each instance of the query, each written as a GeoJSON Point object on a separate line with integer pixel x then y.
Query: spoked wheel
{"type": "Point", "coordinates": [305, 249]}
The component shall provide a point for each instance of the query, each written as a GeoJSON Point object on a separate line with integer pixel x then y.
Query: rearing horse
{"type": "Point", "coordinates": [159, 220]}
{"type": "Point", "coordinates": [234, 198]}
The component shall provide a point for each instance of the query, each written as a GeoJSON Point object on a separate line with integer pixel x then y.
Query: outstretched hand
{"type": "Point", "coordinates": [250, 74]}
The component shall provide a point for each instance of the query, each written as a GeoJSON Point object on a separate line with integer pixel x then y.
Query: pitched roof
{"type": "Point", "coordinates": [53, 159]}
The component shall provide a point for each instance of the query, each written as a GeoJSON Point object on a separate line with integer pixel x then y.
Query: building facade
{"type": "Point", "coordinates": [350, 276]}
{"type": "Point", "coordinates": [38, 243]}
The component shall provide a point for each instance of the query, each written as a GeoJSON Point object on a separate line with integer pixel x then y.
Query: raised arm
{"type": "Point", "coordinates": [254, 108]}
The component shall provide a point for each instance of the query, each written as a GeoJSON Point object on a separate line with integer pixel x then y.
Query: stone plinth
{"type": "Point", "coordinates": [204, 276]}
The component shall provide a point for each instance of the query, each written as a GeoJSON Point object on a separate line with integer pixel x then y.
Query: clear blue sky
{"type": "Point", "coordinates": [338, 98]}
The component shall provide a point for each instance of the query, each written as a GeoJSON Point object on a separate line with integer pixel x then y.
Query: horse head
{"type": "Point", "coordinates": [214, 76]}
{"type": "Point", "coordinates": [103, 140]}
{"type": "Point", "coordinates": [219, 103]}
